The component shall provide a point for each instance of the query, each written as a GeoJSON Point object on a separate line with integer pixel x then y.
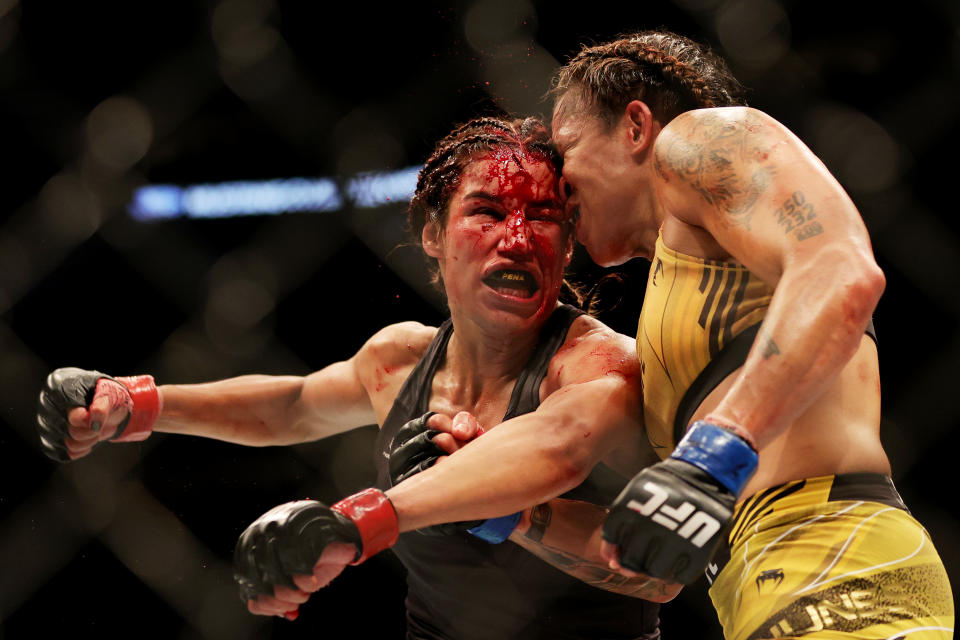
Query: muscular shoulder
{"type": "Point", "coordinates": [592, 350]}
{"type": "Point", "coordinates": [722, 157]}
{"type": "Point", "coordinates": [701, 126]}
{"type": "Point", "coordinates": [395, 345]}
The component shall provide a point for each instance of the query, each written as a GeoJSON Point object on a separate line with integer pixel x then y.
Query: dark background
{"type": "Point", "coordinates": [97, 99]}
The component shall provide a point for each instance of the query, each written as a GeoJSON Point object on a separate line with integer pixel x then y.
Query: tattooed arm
{"type": "Point", "coordinates": [770, 204]}
{"type": "Point", "coordinates": [566, 535]}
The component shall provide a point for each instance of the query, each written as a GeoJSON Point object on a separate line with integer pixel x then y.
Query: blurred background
{"type": "Point", "coordinates": [301, 121]}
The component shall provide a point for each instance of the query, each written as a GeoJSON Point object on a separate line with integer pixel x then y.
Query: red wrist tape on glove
{"type": "Point", "coordinates": [374, 516]}
{"type": "Point", "coordinates": [146, 408]}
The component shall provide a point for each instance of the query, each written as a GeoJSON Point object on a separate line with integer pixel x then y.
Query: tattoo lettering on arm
{"type": "Point", "coordinates": [797, 216]}
{"type": "Point", "coordinates": [721, 160]}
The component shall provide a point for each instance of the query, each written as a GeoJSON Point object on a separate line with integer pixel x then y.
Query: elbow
{"type": "Point", "coordinates": [876, 283]}
{"type": "Point", "coordinates": [863, 293]}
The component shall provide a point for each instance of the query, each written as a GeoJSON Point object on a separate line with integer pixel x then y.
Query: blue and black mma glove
{"type": "Point", "coordinates": [411, 451]}
{"type": "Point", "coordinates": [670, 519]}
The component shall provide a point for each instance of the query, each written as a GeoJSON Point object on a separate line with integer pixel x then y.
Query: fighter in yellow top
{"type": "Point", "coordinates": [663, 161]}
{"type": "Point", "coordinates": [728, 304]}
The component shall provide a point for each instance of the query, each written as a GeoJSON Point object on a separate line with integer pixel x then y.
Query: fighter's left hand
{"type": "Point", "coordinates": [285, 601]}
{"type": "Point", "coordinates": [299, 547]}
{"type": "Point", "coordinates": [669, 520]}
{"type": "Point", "coordinates": [422, 442]}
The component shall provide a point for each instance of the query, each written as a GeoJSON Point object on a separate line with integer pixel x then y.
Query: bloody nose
{"type": "Point", "coordinates": [516, 238]}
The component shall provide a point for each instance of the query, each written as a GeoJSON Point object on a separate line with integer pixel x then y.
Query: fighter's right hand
{"type": "Point", "coordinates": [299, 547]}
{"type": "Point", "coordinates": [78, 409]}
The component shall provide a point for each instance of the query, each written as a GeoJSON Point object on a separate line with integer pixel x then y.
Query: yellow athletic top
{"type": "Point", "coordinates": [693, 308]}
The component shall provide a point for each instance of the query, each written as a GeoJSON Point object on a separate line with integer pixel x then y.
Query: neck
{"type": "Point", "coordinates": [482, 360]}
{"type": "Point", "coordinates": [648, 215]}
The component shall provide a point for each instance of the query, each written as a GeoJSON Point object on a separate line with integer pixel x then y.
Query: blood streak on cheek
{"type": "Point", "coordinates": [544, 249]}
{"type": "Point", "coordinates": [472, 234]}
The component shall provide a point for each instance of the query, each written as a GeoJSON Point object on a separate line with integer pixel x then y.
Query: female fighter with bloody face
{"type": "Point", "coordinates": [556, 391]}
{"type": "Point", "coordinates": [755, 336]}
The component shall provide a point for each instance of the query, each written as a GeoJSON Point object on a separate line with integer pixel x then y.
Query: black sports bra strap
{"type": "Point", "coordinates": [414, 396]}
{"type": "Point", "coordinates": [728, 360]}
{"type": "Point", "coordinates": [526, 391]}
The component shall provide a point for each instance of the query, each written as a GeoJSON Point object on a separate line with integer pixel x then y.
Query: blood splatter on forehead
{"type": "Point", "coordinates": [508, 173]}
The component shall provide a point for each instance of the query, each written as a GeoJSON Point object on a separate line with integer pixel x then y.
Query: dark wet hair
{"type": "Point", "coordinates": [669, 72]}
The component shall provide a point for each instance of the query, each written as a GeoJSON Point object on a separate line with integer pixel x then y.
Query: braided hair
{"type": "Point", "coordinates": [671, 73]}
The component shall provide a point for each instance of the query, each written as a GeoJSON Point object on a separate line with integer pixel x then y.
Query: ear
{"type": "Point", "coordinates": [430, 238]}
{"type": "Point", "coordinates": [568, 252]}
{"type": "Point", "coordinates": [640, 125]}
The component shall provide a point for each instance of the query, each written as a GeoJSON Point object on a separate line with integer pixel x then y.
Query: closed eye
{"type": "Point", "coordinates": [546, 215]}
{"type": "Point", "coordinates": [488, 212]}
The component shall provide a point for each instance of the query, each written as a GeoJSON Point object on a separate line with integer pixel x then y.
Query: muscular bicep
{"type": "Point", "coordinates": [593, 395]}
{"type": "Point", "coordinates": [359, 391]}
{"type": "Point", "coordinates": [333, 400]}
{"type": "Point", "coordinates": [593, 420]}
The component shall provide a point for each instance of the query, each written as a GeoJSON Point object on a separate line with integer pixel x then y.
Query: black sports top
{"type": "Point", "coordinates": [462, 588]}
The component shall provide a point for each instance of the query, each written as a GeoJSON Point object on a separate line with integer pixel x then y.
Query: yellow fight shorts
{"type": "Point", "coordinates": [836, 557]}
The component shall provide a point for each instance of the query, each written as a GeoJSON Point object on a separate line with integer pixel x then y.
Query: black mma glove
{"type": "Point", "coordinates": [411, 451]}
{"type": "Point", "coordinates": [289, 539]}
{"type": "Point", "coordinates": [70, 387]}
{"type": "Point", "coordinates": [670, 519]}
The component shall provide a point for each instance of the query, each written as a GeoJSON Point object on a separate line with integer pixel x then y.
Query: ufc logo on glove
{"type": "Point", "coordinates": [694, 522]}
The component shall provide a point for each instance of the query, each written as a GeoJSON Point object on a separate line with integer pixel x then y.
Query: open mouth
{"type": "Point", "coordinates": [512, 282]}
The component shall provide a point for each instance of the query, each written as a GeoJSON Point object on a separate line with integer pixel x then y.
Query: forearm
{"type": "Point", "coordinates": [252, 410]}
{"type": "Point", "coordinates": [567, 535]}
{"type": "Point", "coordinates": [814, 325]}
{"type": "Point", "coordinates": [526, 460]}
{"type": "Point", "coordinates": [516, 465]}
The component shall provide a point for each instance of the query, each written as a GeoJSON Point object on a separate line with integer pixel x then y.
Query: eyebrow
{"type": "Point", "coordinates": [482, 195]}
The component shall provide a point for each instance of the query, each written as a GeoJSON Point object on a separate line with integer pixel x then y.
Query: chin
{"type": "Point", "coordinates": [606, 256]}
{"type": "Point", "coordinates": [510, 311]}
